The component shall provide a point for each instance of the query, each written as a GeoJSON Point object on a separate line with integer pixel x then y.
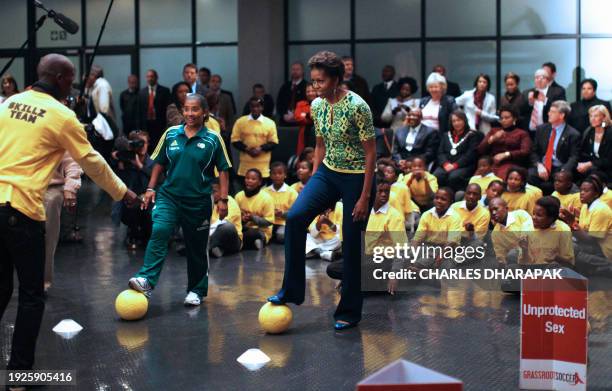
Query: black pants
{"type": "Point", "coordinates": [22, 247]}
{"type": "Point", "coordinates": [547, 187]}
{"type": "Point", "coordinates": [138, 221]}
{"type": "Point", "coordinates": [456, 179]}
{"type": "Point", "coordinates": [250, 235]}
{"type": "Point", "coordinates": [226, 238]}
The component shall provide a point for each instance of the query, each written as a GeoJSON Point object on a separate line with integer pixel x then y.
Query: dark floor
{"type": "Point", "coordinates": [472, 335]}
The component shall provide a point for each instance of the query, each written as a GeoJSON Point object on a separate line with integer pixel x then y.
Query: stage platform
{"type": "Point", "coordinates": [472, 335]}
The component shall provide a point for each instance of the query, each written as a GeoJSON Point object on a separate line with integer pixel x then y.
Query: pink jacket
{"type": "Point", "coordinates": [68, 173]}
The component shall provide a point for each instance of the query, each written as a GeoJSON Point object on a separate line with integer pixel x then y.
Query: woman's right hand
{"type": "Point", "coordinates": [149, 197]}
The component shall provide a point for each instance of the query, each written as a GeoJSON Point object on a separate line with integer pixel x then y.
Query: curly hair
{"type": "Point", "coordinates": [329, 62]}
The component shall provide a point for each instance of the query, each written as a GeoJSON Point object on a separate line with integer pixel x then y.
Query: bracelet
{"type": "Point", "coordinates": [149, 189]}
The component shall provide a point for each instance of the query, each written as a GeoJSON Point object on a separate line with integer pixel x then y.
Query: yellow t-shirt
{"type": "Point", "coordinates": [283, 200]}
{"type": "Point", "coordinates": [254, 133]}
{"type": "Point", "coordinates": [262, 205]}
{"type": "Point", "coordinates": [35, 132]}
{"type": "Point", "coordinates": [213, 124]}
{"type": "Point", "coordinates": [326, 232]}
{"type": "Point", "coordinates": [520, 201]}
{"type": "Point", "coordinates": [484, 181]}
{"type": "Point", "coordinates": [298, 187]}
{"type": "Point", "coordinates": [417, 187]}
{"type": "Point", "coordinates": [606, 197]}
{"type": "Point", "coordinates": [479, 217]}
{"type": "Point", "coordinates": [400, 199]}
{"type": "Point", "coordinates": [544, 245]}
{"type": "Point", "coordinates": [568, 201]}
{"type": "Point", "coordinates": [535, 191]}
{"type": "Point", "coordinates": [385, 228]}
{"type": "Point", "coordinates": [506, 237]}
{"type": "Point", "coordinates": [233, 215]}
{"type": "Point", "coordinates": [597, 221]}
{"type": "Point", "coordinates": [438, 229]}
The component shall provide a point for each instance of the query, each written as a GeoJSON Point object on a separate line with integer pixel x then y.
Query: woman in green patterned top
{"type": "Point", "coordinates": [344, 164]}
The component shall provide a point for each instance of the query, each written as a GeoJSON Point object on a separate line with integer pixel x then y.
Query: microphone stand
{"type": "Point", "coordinates": [37, 27]}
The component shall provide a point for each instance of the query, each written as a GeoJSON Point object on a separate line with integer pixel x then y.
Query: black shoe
{"type": "Point", "coordinates": [276, 300]}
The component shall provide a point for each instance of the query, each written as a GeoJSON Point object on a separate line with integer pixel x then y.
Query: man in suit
{"type": "Point", "coordinates": [415, 139]}
{"type": "Point", "coordinates": [381, 94]}
{"type": "Point", "coordinates": [357, 84]}
{"type": "Point", "coordinates": [290, 93]}
{"type": "Point", "coordinates": [190, 76]}
{"type": "Point", "coordinates": [541, 98]}
{"type": "Point", "coordinates": [128, 101]}
{"type": "Point", "coordinates": [152, 103]}
{"type": "Point", "coordinates": [226, 109]}
{"type": "Point", "coordinates": [452, 88]}
{"type": "Point", "coordinates": [203, 80]}
{"type": "Point", "coordinates": [554, 88]}
{"type": "Point", "coordinates": [556, 148]}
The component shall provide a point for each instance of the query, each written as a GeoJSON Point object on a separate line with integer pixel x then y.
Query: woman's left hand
{"type": "Point", "coordinates": [70, 201]}
{"type": "Point", "coordinates": [360, 211]}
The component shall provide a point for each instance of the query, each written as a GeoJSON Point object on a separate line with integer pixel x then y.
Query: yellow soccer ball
{"type": "Point", "coordinates": [275, 319]}
{"type": "Point", "coordinates": [131, 305]}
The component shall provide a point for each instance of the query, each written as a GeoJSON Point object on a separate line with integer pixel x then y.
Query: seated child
{"type": "Point", "coordinates": [551, 240]}
{"type": "Point", "coordinates": [566, 192]}
{"type": "Point", "coordinates": [225, 234]}
{"type": "Point", "coordinates": [474, 216]}
{"type": "Point", "coordinates": [495, 189]}
{"type": "Point", "coordinates": [405, 166]}
{"type": "Point", "coordinates": [484, 173]}
{"type": "Point", "coordinates": [324, 237]}
{"type": "Point", "coordinates": [510, 228]}
{"type": "Point", "coordinates": [304, 172]}
{"type": "Point", "coordinates": [421, 183]}
{"type": "Point", "coordinates": [257, 208]}
{"type": "Point", "coordinates": [515, 194]}
{"type": "Point", "coordinates": [283, 196]}
{"type": "Point", "coordinates": [400, 197]}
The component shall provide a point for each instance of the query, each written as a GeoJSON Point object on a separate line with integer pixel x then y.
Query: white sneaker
{"type": "Point", "coordinates": [141, 284]}
{"type": "Point", "coordinates": [192, 298]}
{"type": "Point", "coordinates": [327, 255]}
{"type": "Point", "coordinates": [258, 244]}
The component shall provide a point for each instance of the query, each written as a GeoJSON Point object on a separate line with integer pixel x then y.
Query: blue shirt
{"type": "Point", "coordinates": [560, 129]}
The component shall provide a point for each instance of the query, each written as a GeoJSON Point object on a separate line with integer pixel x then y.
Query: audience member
{"type": "Point", "coordinates": [566, 192]}
{"type": "Point", "coordinates": [203, 80]}
{"type": "Point", "coordinates": [152, 102]}
{"type": "Point", "coordinates": [484, 174]}
{"type": "Point", "coordinates": [190, 76]}
{"type": "Point", "coordinates": [259, 91]}
{"type": "Point", "coordinates": [510, 228]}
{"type": "Point", "coordinates": [174, 111]}
{"type": "Point", "coordinates": [324, 236]}
{"type": "Point", "coordinates": [452, 89]}
{"type": "Point", "coordinates": [356, 83]}
{"type": "Point", "coordinates": [257, 208]}
{"type": "Point", "coordinates": [128, 102]}
{"type": "Point", "coordinates": [306, 136]}
{"type": "Point", "coordinates": [556, 147]}
{"type": "Point", "coordinates": [509, 145]}
{"type": "Point", "coordinates": [421, 183]}
{"type": "Point", "coordinates": [579, 116]}
{"type": "Point", "coordinates": [596, 146]}
{"type": "Point", "coordinates": [226, 108]}
{"type": "Point", "coordinates": [540, 99]}
{"type": "Point", "coordinates": [381, 93]}
{"type": "Point", "coordinates": [283, 196]}
{"type": "Point", "coordinates": [479, 104]}
{"type": "Point", "coordinates": [100, 94]}
{"type": "Point", "coordinates": [516, 193]}
{"type": "Point", "coordinates": [255, 137]}
{"type": "Point", "coordinates": [437, 106]}
{"type": "Point", "coordinates": [474, 216]}
{"type": "Point", "coordinates": [8, 86]}
{"type": "Point", "coordinates": [290, 93]}
{"type": "Point", "coordinates": [397, 107]}
{"type": "Point", "coordinates": [415, 139]}
{"type": "Point", "coordinates": [495, 189]}
{"type": "Point", "coordinates": [514, 98]}
{"type": "Point", "coordinates": [556, 92]}
{"type": "Point", "coordinates": [304, 172]}
{"type": "Point", "coordinates": [225, 234]}
{"type": "Point", "coordinates": [456, 159]}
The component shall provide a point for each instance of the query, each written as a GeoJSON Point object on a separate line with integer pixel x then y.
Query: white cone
{"type": "Point", "coordinates": [253, 359]}
{"type": "Point", "coordinates": [67, 328]}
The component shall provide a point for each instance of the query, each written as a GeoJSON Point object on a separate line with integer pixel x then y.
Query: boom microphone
{"type": "Point", "coordinates": [61, 20]}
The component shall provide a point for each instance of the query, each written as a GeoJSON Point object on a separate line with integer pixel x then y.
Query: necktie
{"type": "Point", "coordinates": [151, 105]}
{"type": "Point", "coordinates": [549, 150]}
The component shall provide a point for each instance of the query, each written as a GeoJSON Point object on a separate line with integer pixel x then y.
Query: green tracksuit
{"type": "Point", "coordinates": [185, 199]}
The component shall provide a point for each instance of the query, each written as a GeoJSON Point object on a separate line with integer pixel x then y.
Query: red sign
{"type": "Point", "coordinates": [554, 333]}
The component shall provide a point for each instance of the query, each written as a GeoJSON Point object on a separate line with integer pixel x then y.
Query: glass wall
{"type": "Point", "coordinates": [467, 36]}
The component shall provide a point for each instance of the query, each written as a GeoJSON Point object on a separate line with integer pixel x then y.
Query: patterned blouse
{"type": "Point", "coordinates": [352, 124]}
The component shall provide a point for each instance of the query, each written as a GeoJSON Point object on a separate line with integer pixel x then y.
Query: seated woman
{"type": "Point", "coordinates": [516, 194]}
{"type": "Point", "coordinates": [551, 240]}
{"type": "Point", "coordinates": [437, 107]}
{"type": "Point", "coordinates": [596, 145]}
{"type": "Point", "coordinates": [456, 157]}
{"type": "Point", "coordinates": [324, 237]}
{"type": "Point", "coordinates": [479, 104]}
{"type": "Point", "coordinates": [397, 108]}
{"type": "Point", "coordinates": [225, 234]}
{"type": "Point", "coordinates": [579, 116]}
{"type": "Point", "coordinates": [509, 145]}
{"type": "Point", "coordinates": [592, 229]}
{"type": "Point", "coordinates": [257, 208]}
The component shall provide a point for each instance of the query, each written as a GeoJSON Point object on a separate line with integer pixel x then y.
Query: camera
{"type": "Point", "coordinates": [126, 149]}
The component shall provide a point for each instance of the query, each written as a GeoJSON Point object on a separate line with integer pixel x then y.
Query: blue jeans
{"type": "Point", "coordinates": [322, 191]}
